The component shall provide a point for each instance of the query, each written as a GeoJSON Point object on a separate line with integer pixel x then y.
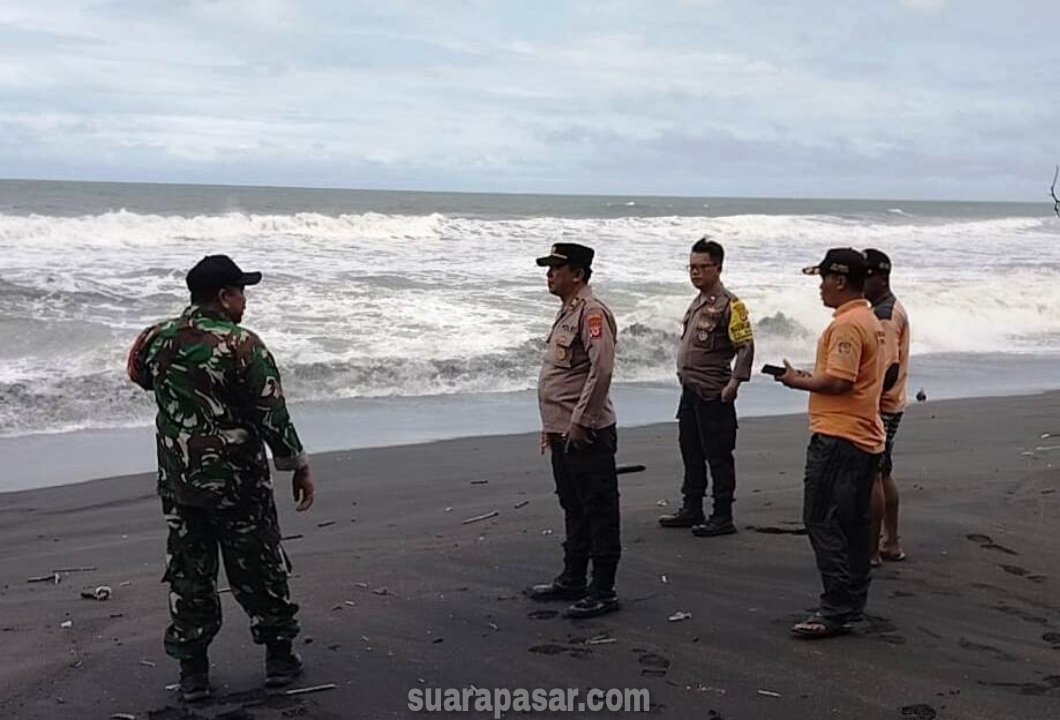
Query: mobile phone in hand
{"type": "Point", "coordinates": [774, 370]}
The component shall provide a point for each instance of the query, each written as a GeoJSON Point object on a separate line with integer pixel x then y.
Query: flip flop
{"type": "Point", "coordinates": [819, 627]}
{"type": "Point", "coordinates": [892, 557]}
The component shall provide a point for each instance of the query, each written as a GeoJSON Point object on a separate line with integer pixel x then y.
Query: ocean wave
{"type": "Point", "coordinates": [372, 305]}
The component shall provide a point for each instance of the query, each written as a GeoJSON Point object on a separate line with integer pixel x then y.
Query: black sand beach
{"type": "Point", "coordinates": [397, 593]}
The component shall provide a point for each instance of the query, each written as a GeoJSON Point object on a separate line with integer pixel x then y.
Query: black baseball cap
{"type": "Point", "coordinates": [877, 262]}
{"type": "Point", "coordinates": [214, 272]}
{"type": "Point", "coordinates": [839, 261]}
{"type": "Point", "coordinates": [568, 254]}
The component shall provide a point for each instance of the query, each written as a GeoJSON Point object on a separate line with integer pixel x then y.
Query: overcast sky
{"type": "Point", "coordinates": [890, 98]}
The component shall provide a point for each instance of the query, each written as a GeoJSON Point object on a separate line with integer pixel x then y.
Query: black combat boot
{"type": "Point", "coordinates": [601, 598]}
{"type": "Point", "coordinates": [195, 679]}
{"type": "Point", "coordinates": [282, 665]}
{"type": "Point", "coordinates": [719, 523]}
{"type": "Point", "coordinates": [562, 588]}
{"type": "Point", "coordinates": [570, 585]}
{"type": "Point", "coordinates": [690, 514]}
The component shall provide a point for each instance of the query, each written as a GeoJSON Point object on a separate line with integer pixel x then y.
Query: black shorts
{"type": "Point", "coordinates": [891, 421]}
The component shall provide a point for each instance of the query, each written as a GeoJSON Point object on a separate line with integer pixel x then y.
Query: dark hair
{"type": "Point", "coordinates": [855, 282]}
{"type": "Point", "coordinates": [203, 297]}
{"type": "Point", "coordinates": [587, 272]}
{"type": "Point", "coordinates": [710, 247]}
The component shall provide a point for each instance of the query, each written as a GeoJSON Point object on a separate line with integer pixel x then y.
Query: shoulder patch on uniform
{"type": "Point", "coordinates": [596, 325]}
{"type": "Point", "coordinates": [740, 330]}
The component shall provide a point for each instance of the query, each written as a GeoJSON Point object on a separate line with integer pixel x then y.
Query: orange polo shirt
{"type": "Point", "coordinates": [895, 322]}
{"type": "Point", "coordinates": [852, 348]}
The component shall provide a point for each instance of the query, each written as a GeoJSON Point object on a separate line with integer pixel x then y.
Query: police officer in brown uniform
{"type": "Point", "coordinates": [578, 427]}
{"type": "Point", "coordinates": [717, 330]}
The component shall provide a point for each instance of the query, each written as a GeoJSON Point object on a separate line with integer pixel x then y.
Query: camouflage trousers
{"type": "Point", "coordinates": [248, 540]}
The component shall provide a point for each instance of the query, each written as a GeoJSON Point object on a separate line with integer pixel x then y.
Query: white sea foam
{"type": "Point", "coordinates": [378, 305]}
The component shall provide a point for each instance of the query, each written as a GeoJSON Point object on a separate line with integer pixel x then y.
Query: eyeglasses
{"type": "Point", "coordinates": [701, 267]}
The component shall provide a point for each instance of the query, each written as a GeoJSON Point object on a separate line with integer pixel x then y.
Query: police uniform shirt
{"type": "Point", "coordinates": [716, 328]}
{"type": "Point", "coordinates": [575, 381]}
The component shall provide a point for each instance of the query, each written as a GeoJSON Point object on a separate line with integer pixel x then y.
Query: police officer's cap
{"type": "Point", "coordinates": [567, 254]}
{"type": "Point", "coordinates": [877, 262]}
{"type": "Point", "coordinates": [840, 261]}
{"type": "Point", "coordinates": [214, 272]}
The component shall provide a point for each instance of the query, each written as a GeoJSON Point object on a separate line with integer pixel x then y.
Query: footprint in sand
{"type": "Point", "coordinates": [1021, 614]}
{"type": "Point", "coordinates": [654, 665]}
{"type": "Point", "coordinates": [542, 614]}
{"type": "Point", "coordinates": [966, 644]}
{"type": "Point", "coordinates": [554, 649]}
{"type": "Point", "coordinates": [987, 543]}
{"type": "Point", "coordinates": [1050, 685]}
{"type": "Point", "coordinates": [919, 712]}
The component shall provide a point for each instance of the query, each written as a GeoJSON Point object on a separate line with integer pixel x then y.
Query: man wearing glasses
{"type": "Point", "coordinates": [716, 330]}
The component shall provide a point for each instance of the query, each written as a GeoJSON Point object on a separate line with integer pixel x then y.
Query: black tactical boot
{"type": "Point", "coordinates": [282, 665]}
{"type": "Point", "coordinates": [195, 679]}
{"type": "Point", "coordinates": [716, 525]}
{"type": "Point", "coordinates": [691, 513]}
{"type": "Point", "coordinates": [562, 588]}
{"type": "Point", "coordinates": [596, 603]}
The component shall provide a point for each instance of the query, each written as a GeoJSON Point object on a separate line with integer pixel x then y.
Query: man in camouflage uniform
{"type": "Point", "coordinates": [220, 403]}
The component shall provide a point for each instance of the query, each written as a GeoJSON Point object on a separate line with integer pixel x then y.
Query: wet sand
{"type": "Point", "coordinates": [397, 593]}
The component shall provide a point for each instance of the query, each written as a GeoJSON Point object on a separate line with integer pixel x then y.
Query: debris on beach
{"type": "Point", "coordinates": [521, 504]}
{"type": "Point", "coordinates": [381, 591]}
{"type": "Point", "coordinates": [626, 469]}
{"type": "Point", "coordinates": [547, 532]}
{"type": "Point", "coordinates": [326, 523]}
{"type": "Point", "coordinates": [601, 640]}
{"type": "Point", "coordinates": [147, 663]}
{"type": "Point", "coordinates": [769, 693]}
{"type": "Point", "coordinates": [662, 503]}
{"type": "Point", "coordinates": [921, 396]}
{"type": "Point", "coordinates": [66, 625]}
{"type": "Point", "coordinates": [479, 518]}
{"type": "Point", "coordinates": [92, 568]}
{"type": "Point", "coordinates": [679, 616]}
{"type": "Point", "coordinates": [480, 482]}
{"type": "Point", "coordinates": [313, 689]}
{"type": "Point", "coordinates": [296, 536]}
{"type": "Point", "coordinates": [101, 593]}
{"type": "Point", "coordinates": [122, 716]}
{"type": "Point", "coordinates": [53, 578]}
{"type": "Point", "coordinates": [664, 579]}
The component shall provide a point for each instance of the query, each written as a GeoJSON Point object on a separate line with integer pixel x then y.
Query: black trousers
{"type": "Point", "coordinates": [837, 512]}
{"type": "Point", "coordinates": [707, 436]}
{"type": "Point", "coordinates": [587, 486]}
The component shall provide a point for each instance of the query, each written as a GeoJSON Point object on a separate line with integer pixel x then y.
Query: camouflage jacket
{"type": "Point", "coordinates": [219, 403]}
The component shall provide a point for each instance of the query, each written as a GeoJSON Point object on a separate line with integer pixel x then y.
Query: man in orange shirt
{"type": "Point", "coordinates": [848, 439]}
{"type": "Point", "coordinates": [895, 321]}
